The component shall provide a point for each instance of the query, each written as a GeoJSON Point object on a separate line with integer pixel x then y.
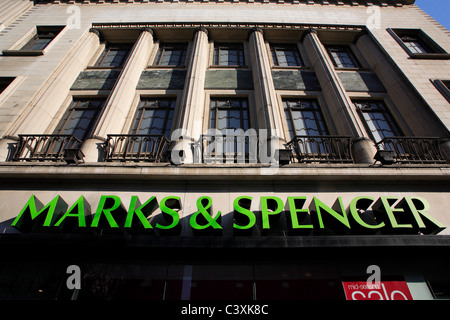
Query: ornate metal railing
{"type": "Point", "coordinates": [136, 147]}
{"type": "Point", "coordinates": [44, 147]}
{"type": "Point", "coordinates": [321, 149]}
{"type": "Point", "coordinates": [413, 149]}
{"type": "Point", "coordinates": [230, 147]}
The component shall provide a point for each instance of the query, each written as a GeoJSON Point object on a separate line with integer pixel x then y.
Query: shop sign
{"type": "Point", "coordinates": [382, 290]}
{"type": "Point", "coordinates": [362, 214]}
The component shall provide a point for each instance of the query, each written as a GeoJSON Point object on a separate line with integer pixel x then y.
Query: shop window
{"type": "Point", "coordinates": [5, 82]}
{"type": "Point", "coordinates": [343, 57]}
{"type": "Point", "coordinates": [286, 55]}
{"type": "Point", "coordinates": [44, 35]}
{"type": "Point", "coordinates": [80, 118]}
{"type": "Point", "coordinates": [114, 55]}
{"type": "Point", "coordinates": [418, 44]}
{"type": "Point", "coordinates": [171, 54]}
{"type": "Point", "coordinates": [229, 54]}
{"type": "Point", "coordinates": [378, 120]}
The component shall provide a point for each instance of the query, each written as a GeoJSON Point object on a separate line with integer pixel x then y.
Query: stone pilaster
{"type": "Point", "coordinates": [121, 98]}
{"type": "Point", "coordinates": [268, 111]}
{"type": "Point", "coordinates": [193, 97]}
{"type": "Point", "coordinates": [340, 106]}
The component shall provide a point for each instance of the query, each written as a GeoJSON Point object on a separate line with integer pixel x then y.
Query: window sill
{"type": "Point", "coordinates": [290, 68]}
{"type": "Point", "coordinates": [103, 68]}
{"type": "Point", "coordinates": [432, 56]}
{"type": "Point", "coordinates": [23, 52]}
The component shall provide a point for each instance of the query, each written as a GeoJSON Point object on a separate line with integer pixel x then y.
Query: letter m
{"type": "Point", "coordinates": [35, 214]}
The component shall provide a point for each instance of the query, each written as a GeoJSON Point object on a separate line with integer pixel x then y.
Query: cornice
{"type": "Point", "coordinates": [225, 25]}
{"type": "Point", "coordinates": [382, 3]}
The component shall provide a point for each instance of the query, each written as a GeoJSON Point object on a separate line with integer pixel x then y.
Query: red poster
{"type": "Point", "coordinates": [384, 290]}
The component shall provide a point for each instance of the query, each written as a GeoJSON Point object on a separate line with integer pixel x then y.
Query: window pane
{"type": "Point", "coordinates": [154, 117]}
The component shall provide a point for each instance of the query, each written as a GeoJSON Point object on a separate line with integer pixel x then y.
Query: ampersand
{"type": "Point", "coordinates": [205, 215]}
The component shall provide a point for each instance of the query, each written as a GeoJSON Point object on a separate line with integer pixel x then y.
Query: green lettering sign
{"type": "Point", "coordinates": [270, 207]}
{"type": "Point", "coordinates": [79, 211]}
{"type": "Point", "coordinates": [107, 206]}
{"type": "Point", "coordinates": [241, 206]}
{"type": "Point", "coordinates": [318, 209]}
{"type": "Point", "coordinates": [295, 210]}
{"type": "Point", "coordinates": [363, 203]}
{"type": "Point", "coordinates": [34, 211]}
{"type": "Point", "coordinates": [167, 206]}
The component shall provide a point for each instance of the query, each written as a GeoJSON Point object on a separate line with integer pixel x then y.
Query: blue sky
{"type": "Point", "coordinates": [438, 9]}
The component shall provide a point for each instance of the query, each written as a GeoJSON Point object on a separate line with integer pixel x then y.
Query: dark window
{"type": "Point", "coordinates": [5, 82]}
{"type": "Point", "coordinates": [44, 35]}
{"type": "Point", "coordinates": [81, 117]}
{"type": "Point", "coordinates": [229, 114]}
{"type": "Point", "coordinates": [154, 117]}
{"type": "Point", "coordinates": [378, 121]}
{"type": "Point", "coordinates": [171, 54]}
{"type": "Point", "coordinates": [286, 55]}
{"type": "Point", "coordinates": [114, 55]}
{"type": "Point", "coordinates": [418, 44]}
{"type": "Point", "coordinates": [444, 87]}
{"type": "Point", "coordinates": [229, 54]}
{"type": "Point", "coordinates": [304, 118]}
{"type": "Point", "coordinates": [343, 57]}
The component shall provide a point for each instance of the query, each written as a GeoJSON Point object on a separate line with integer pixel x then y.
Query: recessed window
{"type": "Point", "coordinates": [81, 117]}
{"type": "Point", "coordinates": [304, 118]}
{"type": "Point", "coordinates": [171, 54]}
{"type": "Point", "coordinates": [286, 55]}
{"type": "Point", "coordinates": [378, 120]}
{"type": "Point", "coordinates": [229, 114]}
{"type": "Point", "coordinates": [44, 35]}
{"type": "Point", "coordinates": [229, 54]}
{"type": "Point", "coordinates": [114, 55]}
{"type": "Point", "coordinates": [154, 117]}
{"type": "Point", "coordinates": [5, 82]}
{"type": "Point", "coordinates": [418, 44]}
{"type": "Point", "coordinates": [343, 57]}
{"type": "Point", "coordinates": [443, 86]}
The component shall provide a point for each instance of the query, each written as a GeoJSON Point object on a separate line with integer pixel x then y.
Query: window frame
{"type": "Point", "coordinates": [109, 46]}
{"type": "Point", "coordinates": [290, 46]}
{"type": "Point", "coordinates": [343, 48]}
{"type": "Point", "coordinates": [75, 105]}
{"type": "Point", "coordinates": [425, 41]}
{"type": "Point", "coordinates": [316, 112]}
{"type": "Point", "coordinates": [22, 47]}
{"type": "Point", "coordinates": [175, 45]}
{"type": "Point", "coordinates": [388, 117]}
{"type": "Point", "coordinates": [240, 53]}
{"type": "Point", "coordinates": [134, 128]}
{"type": "Point", "coordinates": [240, 108]}
{"type": "Point", "coordinates": [443, 85]}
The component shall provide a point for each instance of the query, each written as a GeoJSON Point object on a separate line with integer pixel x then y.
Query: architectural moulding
{"type": "Point", "coordinates": [249, 26]}
{"type": "Point", "coordinates": [381, 3]}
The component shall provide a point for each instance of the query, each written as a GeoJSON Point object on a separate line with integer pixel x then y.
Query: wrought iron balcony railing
{"type": "Point", "coordinates": [413, 150]}
{"type": "Point", "coordinates": [44, 147]}
{"type": "Point", "coordinates": [136, 147]}
{"type": "Point", "coordinates": [321, 149]}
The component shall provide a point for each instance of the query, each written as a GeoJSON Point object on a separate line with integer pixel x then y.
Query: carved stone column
{"type": "Point", "coordinates": [268, 112]}
{"type": "Point", "coordinates": [121, 98]}
{"type": "Point", "coordinates": [341, 107]}
{"type": "Point", "coordinates": [193, 98]}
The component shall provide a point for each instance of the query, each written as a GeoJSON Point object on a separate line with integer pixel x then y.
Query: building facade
{"type": "Point", "coordinates": [253, 150]}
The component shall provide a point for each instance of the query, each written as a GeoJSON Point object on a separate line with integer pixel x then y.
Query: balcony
{"type": "Point", "coordinates": [413, 150]}
{"type": "Point", "coordinates": [321, 149]}
{"type": "Point", "coordinates": [45, 147]}
{"type": "Point", "coordinates": [136, 147]}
